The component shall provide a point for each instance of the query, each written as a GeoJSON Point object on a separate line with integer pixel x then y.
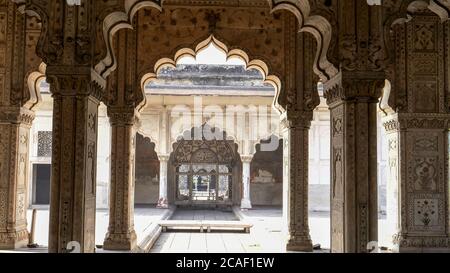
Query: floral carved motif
{"type": "Point", "coordinates": [426, 212]}
{"type": "Point", "coordinates": [424, 37]}
{"type": "Point", "coordinates": [425, 174]}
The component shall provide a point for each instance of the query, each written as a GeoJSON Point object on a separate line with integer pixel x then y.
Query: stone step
{"type": "Point", "coordinates": [205, 225]}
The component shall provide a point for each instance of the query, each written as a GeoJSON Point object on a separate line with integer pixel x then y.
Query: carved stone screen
{"type": "Point", "coordinates": [203, 171]}
{"type": "Point", "coordinates": [44, 144]}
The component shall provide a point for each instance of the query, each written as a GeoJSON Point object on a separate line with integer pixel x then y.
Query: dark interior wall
{"type": "Point", "coordinates": [147, 172]}
{"type": "Point", "coordinates": [266, 171]}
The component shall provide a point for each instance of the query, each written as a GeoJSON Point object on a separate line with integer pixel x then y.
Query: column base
{"type": "Point", "coordinates": [425, 244]}
{"type": "Point", "coordinates": [120, 241]}
{"type": "Point", "coordinates": [299, 243]}
{"type": "Point", "coordinates": [14, 240]}
{"type": "Point", "coordinates": [246, 204]}
{"type": "Point", "coordinates": [162, 204]}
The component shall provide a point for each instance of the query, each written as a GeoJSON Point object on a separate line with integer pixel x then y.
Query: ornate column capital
{"type": "Point", "coordinates": [246, 158]}
{"type": "Point", "coordinates": [355, 85]}
{"type": "Point", "coordinates": [74, 81]}
{"type": "Point", "coordinates": [404, 121]}
{"type": "Point", "coordinates": [16, 115]}
{"type": "Point", "coordinates": [296, 119]}
{"type": "Point", "coordinates": [123, 116]}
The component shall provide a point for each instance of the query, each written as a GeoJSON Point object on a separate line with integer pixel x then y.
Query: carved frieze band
{"type": "Point", "coordinates": [416, 121]}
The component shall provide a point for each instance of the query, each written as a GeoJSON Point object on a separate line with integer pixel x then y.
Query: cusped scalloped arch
{"type": "Point", "coordinates": [317, 25]}
{"type": "Point", "coordinates": [235, 53]}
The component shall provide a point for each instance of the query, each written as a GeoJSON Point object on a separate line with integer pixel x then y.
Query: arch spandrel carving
{"type": "Point", "coordinates": [174, 29]}
{"type": "Point", "coordinates": [113, 15]}
{"type": "Point", "coordinates": [316, 24]}
{"type": "Point", "coordinates": [18, 60]}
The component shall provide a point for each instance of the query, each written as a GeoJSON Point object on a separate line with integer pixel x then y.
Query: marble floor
{"type": "Point", "coordinates": [143, 219]}
{"type": "Point", "coordinates": [265, 236]}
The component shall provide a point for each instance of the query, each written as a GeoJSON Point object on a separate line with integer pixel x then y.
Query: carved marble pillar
{"type": "Point", "coordinates": [16, 116]}
{"type": "Point", "coordinates": [418, 156]}
{"type": "Point", "coordinates": [418, 131]}
{"type": "Point", "coordinates": [15, 124]}
{"type": "Point", "coordinates": [354, 211]}
{"type": "Point", "coordinates": [295, 131]}
{"type": "Point", "coordinates": [246, 202]}
{"type": "Point", "coordinates": [74, 156]}
{"type": "Point", "coordinates": [163, 185]}
{"type": "Point", "coordinates": [121, 234]}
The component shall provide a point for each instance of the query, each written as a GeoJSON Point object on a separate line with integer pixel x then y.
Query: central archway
{"type": "Point", "coordinates": [205, 169]}
{"type": "Point", "coordinates": [272, 46]}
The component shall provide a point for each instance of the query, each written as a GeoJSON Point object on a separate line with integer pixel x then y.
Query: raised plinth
{"type": "Point", "coordinates": [126, 241]}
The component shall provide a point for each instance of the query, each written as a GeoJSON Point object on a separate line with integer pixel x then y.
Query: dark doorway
{"type": "Point", "coordinates": [41, 182]}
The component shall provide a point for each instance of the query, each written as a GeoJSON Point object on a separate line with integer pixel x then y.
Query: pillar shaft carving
{"type": "Point", "coordinates": [417, 130]}
{"type": "Point", "coordinates": [418, 156]}
{"type": "Point", "coordinates": [16, 117]}
{"type": "Point", "coordinates": [68, 49]}
{"type": "Point", "coordinates": [352, 96]}
{"type": "Point", "coordinates": [123, 100]}
{"type": "Point", "coordinates": [295, 132]}
{"type": "Point", "coordinates": [74, 161]}
{"type": "Point", "coordinates": [354, 212]}
{"type": "Point", "coordinates": [14, 167]}
{"type": "Point", "coordinates": [121, 234]}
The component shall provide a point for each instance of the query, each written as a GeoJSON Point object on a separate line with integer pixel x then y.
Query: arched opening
{"type": "Point", "coordinates": [413, 153]}
{"type": "Point", "coordinates": [250, 62]}
{"type": "Point", "coordinates": [268, 57]}
{"type": "Point", "coordinates": [205, 170]}
{"type": "Point", "coordinates": [214, 106]}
